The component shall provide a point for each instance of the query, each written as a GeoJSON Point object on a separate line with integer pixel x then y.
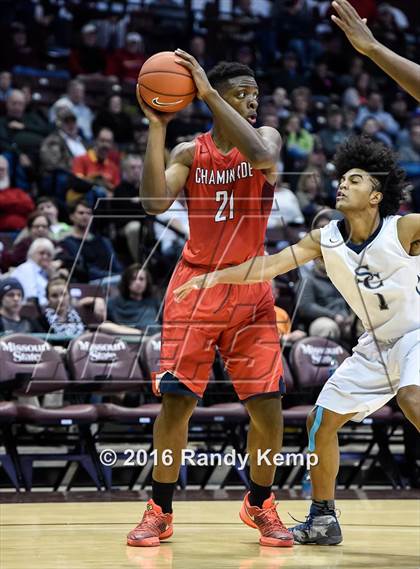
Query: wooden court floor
{"type": "Point", "coordinates": [381, 534]}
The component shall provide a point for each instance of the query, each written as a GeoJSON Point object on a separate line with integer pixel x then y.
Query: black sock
{"type": "Point", "coordinates": [162, 494]}
{"type": "Point", "coordinates": [258, 494]}
{"type": "Point", "coordinates": [322, 507]}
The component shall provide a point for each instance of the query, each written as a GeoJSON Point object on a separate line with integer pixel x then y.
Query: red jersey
{"type": "Point", "coordinates": [228, 207]}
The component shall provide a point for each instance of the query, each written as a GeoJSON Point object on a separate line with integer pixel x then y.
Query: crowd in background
{"type": "Point", "coordinates": [72, 140]}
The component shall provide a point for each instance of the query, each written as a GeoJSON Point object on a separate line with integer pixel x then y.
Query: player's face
{"type": "Point", "coordinates": [242, 95]}
{"type": "Point", "coordinates": [356, 191]}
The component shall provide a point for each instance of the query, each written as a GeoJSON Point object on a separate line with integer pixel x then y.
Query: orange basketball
{"type": "Point", "coordinates": [165, 85]}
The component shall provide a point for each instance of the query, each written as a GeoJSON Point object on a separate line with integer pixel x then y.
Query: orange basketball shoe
{"type": "Point", "coordinates": [154, 526]}
{"type": "Point", "coordinates": [267, 521]}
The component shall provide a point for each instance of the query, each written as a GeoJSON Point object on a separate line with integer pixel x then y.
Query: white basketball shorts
{"type": "Point", "coordinates": [373, 375]}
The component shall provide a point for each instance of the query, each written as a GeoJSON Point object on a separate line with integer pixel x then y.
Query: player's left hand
{"type": "Point", "coordinates": [207, 280]}
{"type": "Point", "coordinates": [199, 75]}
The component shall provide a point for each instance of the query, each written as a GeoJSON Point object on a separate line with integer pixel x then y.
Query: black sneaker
{"type": "Point", "coordinates": [318, 530]}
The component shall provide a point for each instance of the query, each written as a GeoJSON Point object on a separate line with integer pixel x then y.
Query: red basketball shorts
{"type": "Point", "coordinates": [238, 319]}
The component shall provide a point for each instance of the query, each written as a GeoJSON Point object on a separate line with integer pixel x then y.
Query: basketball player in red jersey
{"type": "Point", "coordinates": [228, 176]}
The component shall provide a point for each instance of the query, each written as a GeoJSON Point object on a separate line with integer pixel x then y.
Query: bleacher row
{"type": "Point", "coordinates": [100, 364]}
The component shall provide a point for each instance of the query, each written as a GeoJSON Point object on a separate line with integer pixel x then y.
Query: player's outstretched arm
{"type": "Point", "coordinates": [260, 146]}
{"type": "Point", "coordinates": [405, 72]}
{"type": "Point", "coordinates": [159, 188]}
{"type": "Point", "coordinates": [258, 269]}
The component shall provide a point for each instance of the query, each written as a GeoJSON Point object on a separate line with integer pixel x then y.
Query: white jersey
{"type": "Point", "coordinates": [378, 279]}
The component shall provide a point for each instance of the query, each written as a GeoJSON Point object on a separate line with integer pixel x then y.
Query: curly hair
{"type": "Point", "coordinates": [380, 162]}
{"type": "Point", "coordinates": [225, 70]}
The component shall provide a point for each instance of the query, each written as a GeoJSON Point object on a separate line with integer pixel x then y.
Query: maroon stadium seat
{"type": "Point", "coordinates": [30, 366]}
{"type": "Point", "coordinates": [106, 363]}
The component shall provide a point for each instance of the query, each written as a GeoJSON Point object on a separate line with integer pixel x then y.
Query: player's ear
{"type": "Point", "coordinates": [376, 197]}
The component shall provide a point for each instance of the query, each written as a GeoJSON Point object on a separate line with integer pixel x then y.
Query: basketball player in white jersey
{"type": "Point", "coordinates": [373, 259]}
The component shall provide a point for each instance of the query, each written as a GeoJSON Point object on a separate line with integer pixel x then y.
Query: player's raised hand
{"type": "Point", "coordinates": [154, 117]}
{"type": "Point", "coordinates": [208, 280]}
{"type": "Point", "coordinates": [199, 75]}
{"type": "Point", "coordinates": [353, 26]}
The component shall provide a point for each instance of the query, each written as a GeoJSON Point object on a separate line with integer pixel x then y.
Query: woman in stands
{"type": "Point", "coordinates": [60, 316]}
{"type": "Point", "coordinates": [136, 305]}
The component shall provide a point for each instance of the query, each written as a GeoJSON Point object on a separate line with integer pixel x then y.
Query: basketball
{"type": "Point", "coordinates": [164, 84]}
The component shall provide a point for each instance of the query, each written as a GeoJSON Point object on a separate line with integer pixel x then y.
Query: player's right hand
{"type": "Point", "coordinates": [353, 26]}
{"type": "Point", "coordinates": [154, 117]}
{"type": "Point", "coordinates": [208, 280]}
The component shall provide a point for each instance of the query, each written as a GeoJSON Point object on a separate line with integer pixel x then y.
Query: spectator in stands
{"type": "Point", "coordinates": [15, 203]}
{"type": "Point", "coordinates": [198, 49]}
{"type": "Point", "coordinates": [46, 205]}
{"type": "Point", "coordinates": [34, 273]}
{"type": "Point", "coordinates": [37, 226]}
{"type": "Point", "coordinates": [20, 131]}
{"type": "Point", "coordinates": [309, 193]}
{"type": "Point", "coordinates": [399, 109]}
{"type": "Point", "coordinates": [96, 166]}
{"type": "Point", "coordinates": [69, 131]}
{"type": "Point", "coordinates": [372, 128]}
{"type": "Point", "coordinates": [20, 53]}
{"type": "Point", "coordinates": [286, 208]}
{"type": "Point", "coordinates": [88, 60]}
{"type": "Point", "coordinates": [322, 81]}
{"type": "Point", "coordinates": [5, 85]}
{"type": "Point", "coordinates": [388, 30]}
{"type": "Point", "coordinates": [172, 230]}
{"type": "Point", "coordinates": [75, 99]}
{"type": "Point", "coordinates": [289, 76]}
{"type": "Point", "coordinates": [301, 105]}
{"type": "Point", "coordinates": [111, 27]}
{"type": "Point", "coordinates": [56, 157]}
{"type": "Point", "coordinates": [335, 132]}
{"type": "Point", "coordinates": [183, 128]}
{"type": "Point", "coordinates": [323, 310]}
{"type": "Point", "coordinates": [357, 95]}
{"type": "Point", "coordinates": [11, 298]}
{"type": "Point", "coordinates": [114, 118]}
{"type": "Point", "coordinates": [281, 102]}
{"type": "Point", "coordinates": [136, 305]}
{"type": "Point", "coordinates": [63, 315]}
{"type": "Point", "coordinates": [88, 256]}
{"type": "Point", "coordinates": [127, 204]}
{"type": "Point", "coordinates": [410, 152]}
{"type": "Point", "coordinates": [299, 144]}
{"type": "Point", "coordinates": [284, 324]}
{"type": "Point", "coordinates": [375, 108]}
{"type": "Point", "coordinates": [125, 63]}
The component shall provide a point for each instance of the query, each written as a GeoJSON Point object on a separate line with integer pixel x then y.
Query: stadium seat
{"type": "Point", "coordinates": [30, 366]}
{"type": "Point", "coordinates": [103, 363]}
{"type": "Point", "coordinates": [10, 460]}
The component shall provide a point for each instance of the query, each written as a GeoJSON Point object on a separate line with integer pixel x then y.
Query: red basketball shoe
{"type": "Point", "coordinates": [154, 526]}
{"type": "Point", "coordinates": [267, 521]}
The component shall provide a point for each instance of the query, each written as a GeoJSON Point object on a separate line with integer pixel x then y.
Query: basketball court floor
{"type": "Point", "coordinates": [379, 533]}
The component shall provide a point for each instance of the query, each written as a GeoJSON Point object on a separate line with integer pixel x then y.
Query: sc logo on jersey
{"type": "Point", "coordinates": [367, 278]}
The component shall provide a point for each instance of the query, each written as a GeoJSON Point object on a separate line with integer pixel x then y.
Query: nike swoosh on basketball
{"type": "Point", "coordinates": [156, 101]}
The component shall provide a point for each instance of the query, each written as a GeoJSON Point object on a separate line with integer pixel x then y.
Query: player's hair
{"type": "Point", "coordinates": [381, 162]}
{"type": "Point", "coordinates": [225, 70]}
